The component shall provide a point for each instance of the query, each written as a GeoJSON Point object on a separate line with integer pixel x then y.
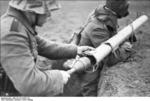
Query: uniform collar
{"type": "Point", "coordinates": [22, 18]}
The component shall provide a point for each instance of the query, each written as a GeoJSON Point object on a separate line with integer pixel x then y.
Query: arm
{"type": "Point", "coordinates": [119, 55]}
{"type": "Point", "coordinates": [55, 50]}
{"type": "Point", "coordinates": [18, 62]}
{"type": "Point", "coordinates": [98, 36]}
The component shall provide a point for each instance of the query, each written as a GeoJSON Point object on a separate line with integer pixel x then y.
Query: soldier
{"type": "Point", "coordinates": [102, 25]}
{"type": "Point", "coordinates": [20, 46]}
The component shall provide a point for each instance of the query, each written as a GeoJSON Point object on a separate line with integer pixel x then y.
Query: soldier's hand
{"type": "Point", "coordinates": [82, 49]}
{"type": "Point", "coordinates": [127, 46]}
{"type": "Point", "coordinates": [65, 76]}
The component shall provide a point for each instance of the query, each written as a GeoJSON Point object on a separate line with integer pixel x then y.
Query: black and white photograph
{"type": "Point", "coordinates": [74, 48]}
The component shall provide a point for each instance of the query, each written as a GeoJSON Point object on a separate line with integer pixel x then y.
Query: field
{"type": "Point", "coordinates": [129, 78]}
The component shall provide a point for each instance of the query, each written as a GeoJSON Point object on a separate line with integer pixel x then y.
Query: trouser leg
{"type": "Point", "coordinates": [89, 83]}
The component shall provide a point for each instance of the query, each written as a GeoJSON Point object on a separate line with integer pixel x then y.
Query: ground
{"type": "Point", "coordinates": [129, 78]}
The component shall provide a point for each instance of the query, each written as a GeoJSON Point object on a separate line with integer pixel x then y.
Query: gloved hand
{"type": "Point", "coordinates": [82, 49]}
{"type": "Point", "coordinates": [65, 76]}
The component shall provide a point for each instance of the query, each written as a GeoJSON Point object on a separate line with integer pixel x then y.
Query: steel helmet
{"type": "Point", "coordinates": [37, 6]}
{"type": "Point", "coordinates": [120, 7]}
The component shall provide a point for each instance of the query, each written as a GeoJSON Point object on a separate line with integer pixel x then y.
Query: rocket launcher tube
{"type": "Point", "coordinates": [82, 64]}
{"type": "Point", "coordinates": [105, 48]}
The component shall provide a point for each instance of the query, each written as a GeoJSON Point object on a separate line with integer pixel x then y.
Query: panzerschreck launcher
{"type": "Point", "coordinates": [106, 47]}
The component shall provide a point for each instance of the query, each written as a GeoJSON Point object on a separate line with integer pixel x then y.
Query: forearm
{"type": "Point", "coordinates": [45, 83]}
{"type": "Point", "coordinates": [53, 50]}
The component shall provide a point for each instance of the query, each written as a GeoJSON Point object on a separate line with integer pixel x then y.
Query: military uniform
{"type": "Point", "coordinates": [98, 30]}
{"type": "Point", "coordinates": [20, 46]}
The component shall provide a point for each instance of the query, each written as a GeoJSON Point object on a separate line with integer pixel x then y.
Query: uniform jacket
{"type": "Point", "coordinates": [101, 29]}
{"type": "Point", "coordinates": [20, 46]}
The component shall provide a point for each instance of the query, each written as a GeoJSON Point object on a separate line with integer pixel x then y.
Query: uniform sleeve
{"type": "Point", "coordinates": [97, 36]}
{"type": "Point", "coordinates": [18, 62]}
{"type": "Point", "coordinates": [53, 50]}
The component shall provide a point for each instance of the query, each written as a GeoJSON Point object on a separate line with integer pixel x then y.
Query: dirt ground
{"type": "Point", "coordinates": [129, 78]}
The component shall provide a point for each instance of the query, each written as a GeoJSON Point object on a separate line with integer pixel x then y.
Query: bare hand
{"type": "Point", "coordinates": [82, 49]}
{"type": "Point", "coordinates": [126, 46]}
